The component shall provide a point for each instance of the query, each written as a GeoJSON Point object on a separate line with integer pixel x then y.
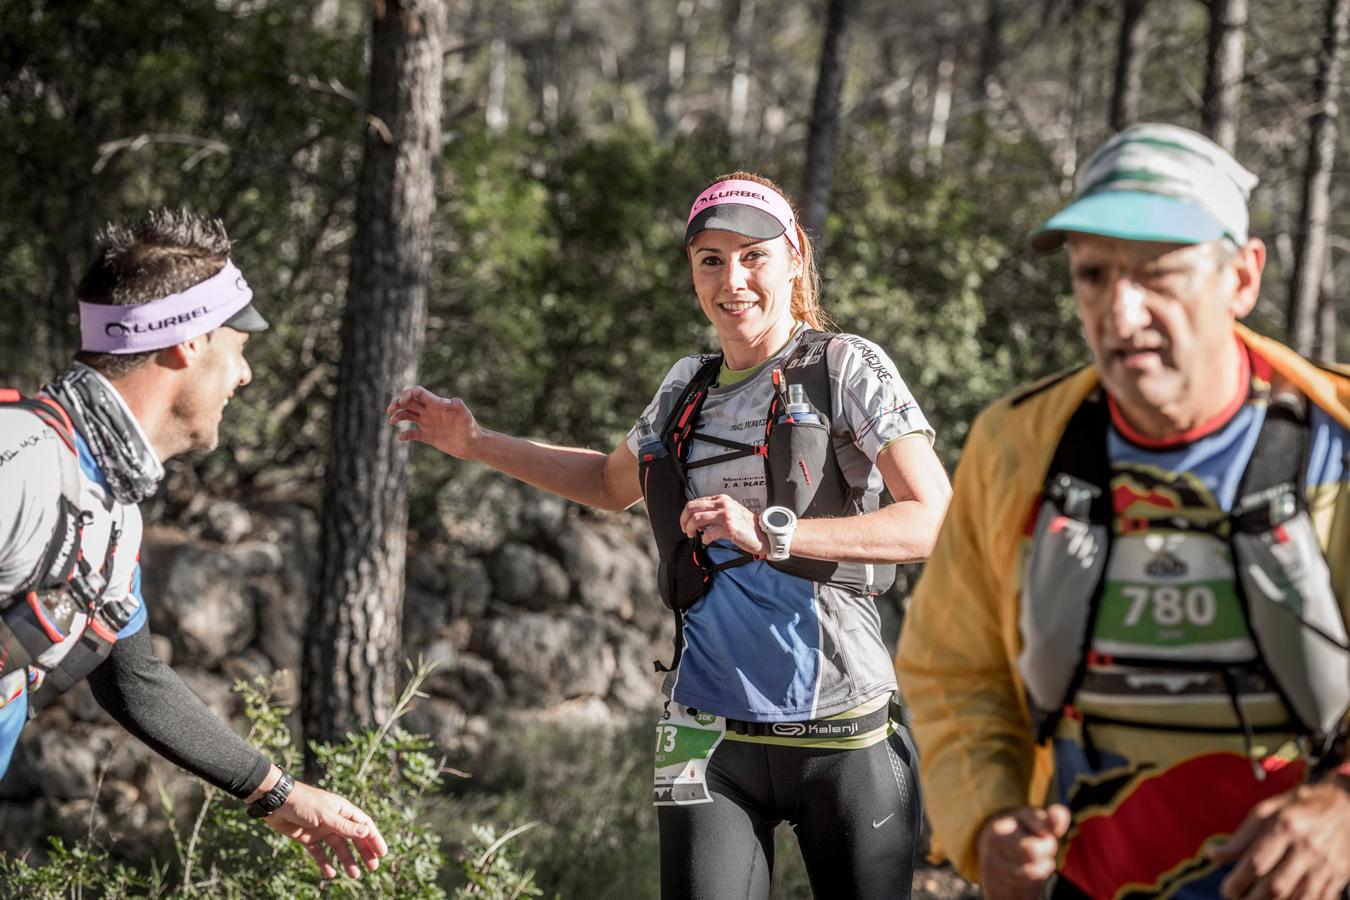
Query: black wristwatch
{"type": "Point", "coordinates": [271, 801]}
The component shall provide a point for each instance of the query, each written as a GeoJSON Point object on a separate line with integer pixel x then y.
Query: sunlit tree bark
{"type": "Point", "coordinates": [1310, 239]}
{"type": "Point", "coordinates": [1224, 66]}
{"type": "Point", "coordinates": [353, 647]}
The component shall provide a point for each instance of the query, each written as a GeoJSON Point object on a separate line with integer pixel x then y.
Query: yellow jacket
{"type": "Point", "coordinates": [958, 650]}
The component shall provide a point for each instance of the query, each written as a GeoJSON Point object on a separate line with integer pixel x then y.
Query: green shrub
{"type": "Point", "coordinates": [388, 772]}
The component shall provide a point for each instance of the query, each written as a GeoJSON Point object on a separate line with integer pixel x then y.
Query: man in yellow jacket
{"type": "Point", "coordinates": [1127, 657]}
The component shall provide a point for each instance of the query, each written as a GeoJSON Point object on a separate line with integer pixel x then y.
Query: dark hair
{"type": "Point", "coordinates": [806, 287]}
{"type": "Point", "coordinates": [163, 253]}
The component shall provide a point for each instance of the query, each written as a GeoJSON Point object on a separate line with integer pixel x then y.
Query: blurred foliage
{"type": "Point", "coordinates": [560, 295]}
{"type": "Point", "coordinates": [232, 110]}
{"type": "Point", "coordinates": [935, 269]}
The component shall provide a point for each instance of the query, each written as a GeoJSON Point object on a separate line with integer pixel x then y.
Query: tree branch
{"type": "Point", "coordinates": [208, 147]}
{"type": "Point", "coordinates": [331, 88]}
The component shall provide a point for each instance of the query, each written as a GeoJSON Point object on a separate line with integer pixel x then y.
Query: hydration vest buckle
{"type": "Point", "coordinates": [1074, 495]}
{"type": "Point", "coordinates": [1283, 506]}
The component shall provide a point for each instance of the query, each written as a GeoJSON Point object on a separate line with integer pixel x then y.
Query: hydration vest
{"type": "Point", "coordinates": [1281, 579]}
{"type": "Point", "coordinates": [802, 474]}
{"type": "Point", "coordinates": [56, 624]}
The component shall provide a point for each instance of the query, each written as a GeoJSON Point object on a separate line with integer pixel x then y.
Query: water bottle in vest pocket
{"type": "Point", "coordinates": [36, 622]}
{"type": "Point", "coordinates": [798, 454]}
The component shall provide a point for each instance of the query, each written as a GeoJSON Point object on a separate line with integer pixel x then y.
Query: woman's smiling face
{"type": "Point", "coordinates": [744, 286]}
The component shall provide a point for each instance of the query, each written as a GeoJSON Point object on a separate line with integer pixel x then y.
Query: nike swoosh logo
{"type": "Point", "coordinates": [883, 821]}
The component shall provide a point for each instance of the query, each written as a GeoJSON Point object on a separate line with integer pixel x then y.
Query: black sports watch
{"type": "Point", "coordinates": [271, 801]}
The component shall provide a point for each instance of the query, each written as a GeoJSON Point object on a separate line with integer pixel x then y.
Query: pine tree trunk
{"type": "Point", "coordinates": [1129, 65]}
{"type": "Point", "coordinates": [991, 46]}
{"type": "Point", "coordinates": [1327, 318]}
{"type": "Point", "coordinates": [942, 103]}
{"type": "Point", "coordinates": [1074, 109]}
{"type": "Point", "coordinates": [496, 93]}
{"type": "Point", "coordinates": [742, 42]}
{"type": "Point", "coordinates": [352, 651]}
{"type": "Point", "coordinates": [669, 106]}
{"type": "Point", "coordinates": [1224, 65]}
{"type": "Point", "coordinates": [1310, 254]}
{"type": "Point", "coordinates": [823, 141]}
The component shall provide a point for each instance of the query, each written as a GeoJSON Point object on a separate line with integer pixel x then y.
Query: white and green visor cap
{"type": "Point", "coordinates": [1155, 183]}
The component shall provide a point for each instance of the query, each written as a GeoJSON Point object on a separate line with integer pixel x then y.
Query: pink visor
{"type": "Point", "coordinates": [169, 320]}
{"type": "Point", "coordinates": [744, 207]}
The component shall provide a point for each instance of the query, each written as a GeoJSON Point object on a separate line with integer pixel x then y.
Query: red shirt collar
{"type": "Point", "coordinates": [1246, 360]}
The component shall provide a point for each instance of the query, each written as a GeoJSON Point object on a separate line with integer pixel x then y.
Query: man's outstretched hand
{"type": "Point", "coordinates": [328, 824]}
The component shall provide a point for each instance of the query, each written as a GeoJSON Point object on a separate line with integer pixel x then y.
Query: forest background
{"type": "Point", "coordinates": [924, 140]}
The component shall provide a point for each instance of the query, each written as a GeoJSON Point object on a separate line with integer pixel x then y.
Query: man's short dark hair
{"type": "Point", "coordinates": [165, 252]}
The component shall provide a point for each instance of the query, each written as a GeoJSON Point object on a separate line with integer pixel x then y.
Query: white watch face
{"type": "Point", "coordinates": [777, 518]}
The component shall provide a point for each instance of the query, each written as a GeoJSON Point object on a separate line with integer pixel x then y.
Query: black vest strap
{"type": "Point", "coordinates": [1270, 491]}
{"type": "Point", "coordinates": [1082, 463]}
{"type": "Point", "coordinates": [1079, 482]}
{"type": "Point", "coordinates": [739, 450]}
{"type": "Point", "coordinates": [675, 435]}
{"type": "Point", "coordinates": [679, 428]}
{"type": "Point", "coordinates": [748, 449]}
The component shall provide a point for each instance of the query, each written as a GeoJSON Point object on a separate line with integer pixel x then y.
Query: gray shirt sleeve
{"type": "Point", "coordinates": [148, 699]}
{"type": "Point", "coordinates": [871, 398]}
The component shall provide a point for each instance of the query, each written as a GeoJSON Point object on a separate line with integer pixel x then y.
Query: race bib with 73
{"type": "Point", "coordinates": [685, 740]}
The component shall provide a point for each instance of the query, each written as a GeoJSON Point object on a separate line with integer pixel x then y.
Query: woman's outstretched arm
{"type": "Point", "coordinates": [605, 481]}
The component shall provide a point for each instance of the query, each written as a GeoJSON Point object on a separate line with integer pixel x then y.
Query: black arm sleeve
{"type": "Point", "coordinates": [148, 699]}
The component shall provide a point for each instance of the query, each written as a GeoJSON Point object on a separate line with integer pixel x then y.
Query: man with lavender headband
{"type": "Point", "coordinates": [164, 317]}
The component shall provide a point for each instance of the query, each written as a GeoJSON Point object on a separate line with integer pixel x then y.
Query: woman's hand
{"type": "Point", "coordinates": [446, 424]}
{"type": "Point", "coordinates": [720, 518]}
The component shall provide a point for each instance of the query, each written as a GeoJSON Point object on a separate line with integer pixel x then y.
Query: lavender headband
{"type": "Point", "coordinates": [167, 321]}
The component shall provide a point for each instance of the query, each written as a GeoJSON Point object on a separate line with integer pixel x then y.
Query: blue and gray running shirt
{"type": "Point", "coordinates": [764, 646]}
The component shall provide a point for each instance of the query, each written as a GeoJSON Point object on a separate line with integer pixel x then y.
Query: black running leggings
{"type": "Point", "coordinates": [856, 814]}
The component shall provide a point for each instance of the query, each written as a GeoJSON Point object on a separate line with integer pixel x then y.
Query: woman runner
{"type": "Point", "coordinates": [762, 468]}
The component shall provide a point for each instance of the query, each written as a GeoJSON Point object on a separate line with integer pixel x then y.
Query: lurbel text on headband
{"type": "Point", "coordinates": [167, 321]}
{"type": "Point", "coordinates": [749, 194]}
